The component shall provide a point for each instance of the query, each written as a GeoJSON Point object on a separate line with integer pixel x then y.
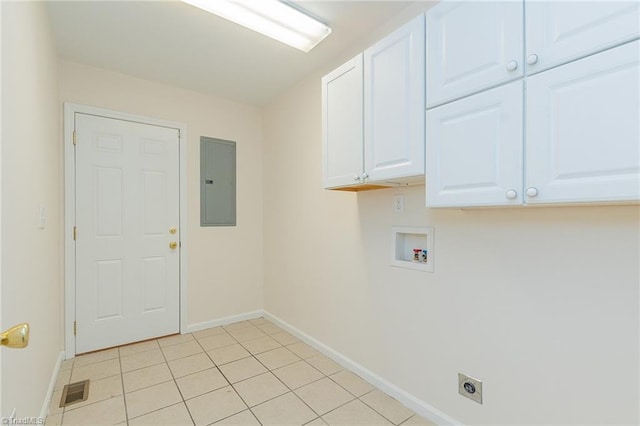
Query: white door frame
{"type": "Point", "coordinates": [1, 412]}
{"type": "Point", "coordinates": [70, 110]}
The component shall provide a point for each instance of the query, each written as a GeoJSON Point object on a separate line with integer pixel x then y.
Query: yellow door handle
{"type": "Point", "coordinates": [16, 337]}
{"type": "Point", "coordinates": [173, 245]}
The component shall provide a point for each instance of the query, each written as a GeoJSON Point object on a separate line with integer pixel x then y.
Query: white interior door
{"type": "Point", "coordinates": [127, 203]}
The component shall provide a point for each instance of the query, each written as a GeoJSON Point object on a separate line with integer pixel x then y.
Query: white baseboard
{"type": "Point", "coordinates": [417, 405]}
{"type": "Point", "coordinates": [222, 321]}
{"type": "Point", "coordinates": [52, 385]}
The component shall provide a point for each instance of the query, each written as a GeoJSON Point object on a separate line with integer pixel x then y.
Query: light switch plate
{"type": "Point", "coordinates": [398, 203]}
{"type": "Point", "coordinates": [42, 217]}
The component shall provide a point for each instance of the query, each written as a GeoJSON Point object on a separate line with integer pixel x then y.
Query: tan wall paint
{"type": "Point", "coordinates": [536, 302]}
{"type": "Point", "coordinates": [542, 304]}
{"type": "Point", "coordinates": [31, 259]}
{"type": "Point", "coordinates": [224, 263]}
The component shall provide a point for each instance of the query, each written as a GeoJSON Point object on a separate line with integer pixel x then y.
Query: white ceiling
{"type": "Point", "coordinates": [178, 44]}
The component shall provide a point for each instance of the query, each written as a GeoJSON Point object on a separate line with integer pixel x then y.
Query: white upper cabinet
{"type": "Point", "coordinates": [474, 149]}
{"type": "Point", "coordinates": [561, 31]}
{"type": "Point", "coordinates": [342, 136]}
{"type": "Point", "coordinates": [472, 46]}
{"type": "Point", "coordinates": [568, 131]}
{"type": "Point", "coordinates": [394, 104]}
{"type": "Point", "coordinates": [373, 114]}
{"type": "Point", "coordinates": [583, 130]}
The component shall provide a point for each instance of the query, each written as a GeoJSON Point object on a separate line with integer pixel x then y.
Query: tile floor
{"type": "Point", "coordinates": [246, 373]}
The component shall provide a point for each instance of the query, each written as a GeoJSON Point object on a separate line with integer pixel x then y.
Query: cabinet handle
{"type": "Point", "coordinates": [532, 59]}
{"type": "Point", "coordinates": [365, 175]}
{"type": "Point", "coordinates": [512, 65]}
{"type": "Point", "coordinates": [532, 192]}
{"type": "Point", "coordinates": [356, 177]}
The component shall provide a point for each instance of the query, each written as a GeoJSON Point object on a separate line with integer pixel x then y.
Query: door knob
{"type": "Point", "coordinates": [511, 194]}
{"type": "Point", "coordinates": [173, 230]}
{"type": "Point", "coordinates": [16, 337]}
{"type": "Point", "coordinates": [173, 245]}
{"type": "Point", "coordinates": [532, 191]}
{"type": "Point", "coordinates": [512, 65]}
{"type": "Point", "coordinates": [356, 177]}
{"type": "Point", "coordinates": [532, 59]}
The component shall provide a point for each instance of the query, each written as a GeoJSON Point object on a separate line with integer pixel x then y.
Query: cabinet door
{"type": "Point", "coordinates": [561, 31]}
{"type": "Point", "coordinates": [474, 149]}
{"type": "Point", "coordinates": [583, 130]}
{"type": "Point", "coordinates": [394, 104]}
{"type": "Point", "coordinates": [342, 141]}
{"type": "Point", "coordinates": [472, 46]}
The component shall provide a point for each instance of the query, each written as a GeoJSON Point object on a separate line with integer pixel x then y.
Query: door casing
{"type": "Point", "coordinates": [70, 110]}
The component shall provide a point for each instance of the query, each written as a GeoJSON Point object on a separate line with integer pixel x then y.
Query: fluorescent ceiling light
{"type": "Point", "coordinates": [271, 18]}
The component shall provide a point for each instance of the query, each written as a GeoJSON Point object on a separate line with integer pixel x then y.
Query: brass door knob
{"type": "Point", "coordinates": [173, 230]}
{"type": "Point", "coordinates": [173, 245]}
{"type": "Point", "coordinates": [16, 337]}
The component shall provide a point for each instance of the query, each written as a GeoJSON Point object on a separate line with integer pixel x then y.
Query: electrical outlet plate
{"type": "Point", "coordinates": [470, 387]}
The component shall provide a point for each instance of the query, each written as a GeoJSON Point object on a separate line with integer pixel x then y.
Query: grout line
{"type": "Point", "coordinates": [184, 402]}
{"type": "Point", "coordinates": [160, 409]}
{"type": "Point", "coordinates": [313, 420]}
{"type": "Point", "coordinates": [124, 396]}
{"type": "Point", "coordinates": [406, 420]}
{"type": "Point", "coordinates": [292, 390]}
{"type": "Point", "coordinates": [344, 369]}
{"type": "Point", "coordinates": [235, 414]}
{"type": "Point", "coordinates": [374, 409]}
{"type": "Point", "coordinates": [274, 375]}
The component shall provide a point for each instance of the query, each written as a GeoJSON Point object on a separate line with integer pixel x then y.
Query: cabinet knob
{"type": "Point", "coordinates": [365, 175]}
{"type": "Point", "coordinates": [511, 194]}
{"type": "Point", "coordinates": [512, 65]}
{"type": "Point", "coordinates": [356, 177]}
{"type": "Point", "coordinates": [532, 192]}
{"type": "Point", "coordinates": [532, 59]}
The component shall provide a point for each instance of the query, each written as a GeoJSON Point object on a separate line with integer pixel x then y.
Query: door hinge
{"type": "Point", "coordinates": [75, 328]}
{"type": "Point", "coordinates": [74, 138]}
{"type": "Point", "coordinates": [75, 233]}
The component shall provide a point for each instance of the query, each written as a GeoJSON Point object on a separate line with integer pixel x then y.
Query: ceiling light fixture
{"type": "Point", "coordinates": [272, 18]}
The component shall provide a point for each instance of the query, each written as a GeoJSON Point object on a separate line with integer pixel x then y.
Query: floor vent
{"type": "Point", "coordinates": [74, 392]}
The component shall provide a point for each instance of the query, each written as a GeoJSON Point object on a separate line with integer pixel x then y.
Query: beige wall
{"type": "Point", "coordinates": [539, 303]}
{"type": "Point", "coordinates": [224, 273]}
{"type": "Point", "coordinates": [31, 260]}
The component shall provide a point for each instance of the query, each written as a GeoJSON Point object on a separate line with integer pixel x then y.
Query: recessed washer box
{"type": "Point", "coordinates": [406, 239]}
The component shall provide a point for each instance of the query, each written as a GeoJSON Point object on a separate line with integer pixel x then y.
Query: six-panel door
{"type": "Point", "coordinates": [127, 202]}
